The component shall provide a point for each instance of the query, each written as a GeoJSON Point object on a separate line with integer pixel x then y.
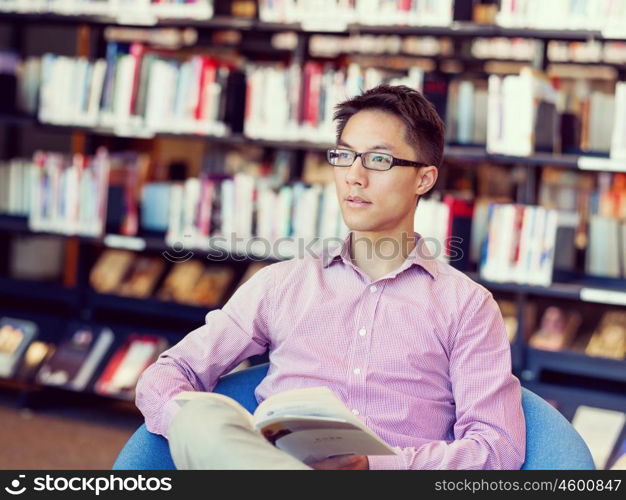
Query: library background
{"type": "Point", "coordinates": [135, 133]}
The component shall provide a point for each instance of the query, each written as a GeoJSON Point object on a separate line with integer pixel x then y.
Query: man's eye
{"type": "Point", "coordinates": [379, 159]}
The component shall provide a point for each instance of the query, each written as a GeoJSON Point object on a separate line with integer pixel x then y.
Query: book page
{"type": "Point", "coordinates": [313, 424]}
{"type": "Point", "coordinates": [314, 445]}
{"type": "Point", "coordinates": [317, 402]}
{"type": "Point", "coordinates": [600, 429]}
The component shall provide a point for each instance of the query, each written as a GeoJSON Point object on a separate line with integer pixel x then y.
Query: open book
{"type": "Point", "coordinates": [310, 424]}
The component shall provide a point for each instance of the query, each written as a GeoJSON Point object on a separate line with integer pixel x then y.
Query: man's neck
{"type": "Point", "coordinates": [379, 253]}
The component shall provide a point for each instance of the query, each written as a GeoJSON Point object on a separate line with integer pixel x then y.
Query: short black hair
{"type": "Point", "coordinates": [425, 130]}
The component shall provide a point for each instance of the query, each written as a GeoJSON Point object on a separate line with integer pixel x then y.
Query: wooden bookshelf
{"type": "Point", "coordinates": [530, 364]}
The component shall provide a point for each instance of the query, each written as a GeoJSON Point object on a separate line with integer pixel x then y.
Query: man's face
{"type": "Point", "coordinates": [390, 194]}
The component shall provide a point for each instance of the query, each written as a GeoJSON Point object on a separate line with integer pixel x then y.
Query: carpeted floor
{"type": "Point", "coordinates": [67, 438]}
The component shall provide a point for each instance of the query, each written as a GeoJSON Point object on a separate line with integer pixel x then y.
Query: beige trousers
{"type": "Point", "coordinates": [207, 434]}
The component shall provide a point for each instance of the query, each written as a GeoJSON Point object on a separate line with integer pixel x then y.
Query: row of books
{"type": "Point", "coordinates": [494, 48]}
{"type": "Point", "coordinates": [247, 206]}
{"type": "Point", "coordinates": [188, 281]}
{"type": "Point", "coordinates": [125, 11]}
{"type": "Point", "coordinates": [561, 328]}
{"type": "Point", "coordinates": [138, 90]}
{"type": "Point", "coordinates": [609, 16]}
{"type": "Point", "coordinates": [535, 111]}
{"type": "Point", "coordinates": [253, 203]}
{"type": "Point", "coordinates": [85, 357]}
{"type": "Point", "coordinates": [546, 236]}
{"type": "Point", "coordinates": [297, 103]}
{"type": "Point", "coordinates": [337, 14]}
{"type": "Point", "coordinates": [334, 45]}
{"type": "Point", "coordinates": [523, 49]}
{"type": "Point", "coordinates": [606, 15]}
{"type": "Point", "coordinates": [68, 194]}
{"type": "Point", "coordinates": [526, 113]}
{"type": "Point", "coordinates": [519, 245]}
{"type": "Point", "coordinates": [598, 202]}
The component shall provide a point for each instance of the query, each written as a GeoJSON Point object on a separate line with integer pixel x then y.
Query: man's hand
{"type": "Point", "coordinates": [349, 462]}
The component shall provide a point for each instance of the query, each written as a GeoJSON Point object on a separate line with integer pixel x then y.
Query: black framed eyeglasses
{"type": "Point", "coordinates": [339, 157]}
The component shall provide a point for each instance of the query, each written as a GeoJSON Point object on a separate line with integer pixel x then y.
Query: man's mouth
{"type": "Point", "coordinates": [357, 201]}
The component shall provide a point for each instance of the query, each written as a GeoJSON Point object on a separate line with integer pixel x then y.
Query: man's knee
{"type": "Point", "coordinates": [201, 421]}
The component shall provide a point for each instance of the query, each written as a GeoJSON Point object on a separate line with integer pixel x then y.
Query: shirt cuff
{"type": "Point", "coordinates": [387, 462]}
{"type": "Point", "coordinates": [168, 413]}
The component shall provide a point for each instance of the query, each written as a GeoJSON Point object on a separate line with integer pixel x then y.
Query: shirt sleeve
{"type": "Point", "coordinates": [231, 334]}
{"type": "Point", "coordinates": [490, 429]}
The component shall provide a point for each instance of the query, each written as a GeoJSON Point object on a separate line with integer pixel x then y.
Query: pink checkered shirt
{"type": "Point", "coordinates": [420, 355]}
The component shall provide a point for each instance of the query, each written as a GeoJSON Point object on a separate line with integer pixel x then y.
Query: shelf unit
{"type": "Point", "coordinates": [470, 154]}
{"type": "Point", "coordinates": [530, 364]}
{"type": "Point", "coordinates": [456, 28]}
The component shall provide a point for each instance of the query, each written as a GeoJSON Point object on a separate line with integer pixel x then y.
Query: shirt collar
{"type": "Point", "coordinates": [420, 255]}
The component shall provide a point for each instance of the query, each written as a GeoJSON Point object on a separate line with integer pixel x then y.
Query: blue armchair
{"type": "Point", "coordinates": [551, 441]}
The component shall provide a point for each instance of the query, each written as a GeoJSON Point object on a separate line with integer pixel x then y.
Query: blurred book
{"type": "Point", "coordinates": [123, 370]}
{"type": "Point", "coordinates": [608, 17]}
{"type": "Point", "coordinates": [210, 289]}
{"type": "Point", "coordinates": [431, 222]}
{"type": "Point", "coordinates": [459, 232]}
{"type": "Point", "coordinates": [9, 63]}
{"type": "Point", "coordinates": [16, 180]}
{"type": "Point", "coordinates": [139, 90]}
{"type": "Point", "coordinates": [180, 281]}
{"type": "Point", "coordinates": [600, 429]}
{"type": "Point", "coordinates": [618, 140]}
{"type": "Point", "coordinates": [69, 194]}
{"type": "Point", "coordinates": [142, 277]}
{"type": "Point", "coordinates": [508, 310]}
{"type": "Point", "coordinates": [510, 315]}
{"type": "Point", "coordinates": [133, 11]}
{"type": "Point", "coordinates": [466, 121]}
{"type": "Point", "coordinates": [38, 258]}
{"type": "Point", "coordinates": [297, 102]}
{"type": "Point", "coordinates": [522, 115]}
{"type": "Point", "coordinates": [77, 357]}
{"type": "Point", "coordinates": [154, 206]}
{"type": "Point", "coordinates": [603, 253]}
{"type": "Point", "coordinates": [338, 14]}
{"type": "Point", "coordinates": [556, 330]}
{"type": "Point", "coordinates": [619, 457]}
{"type": "Point", "coordinates": [110, 269]}
{"type": "Point", "coordinates": [520, 244]}
{"type": "Point", "coordinates": [609, 338]}
{"type": "Point", "coordinates": [34, 357]}
{"type": "Point", "coordinates": [15, 336]}
{"type": "Point", "coordinates": [251, 270]}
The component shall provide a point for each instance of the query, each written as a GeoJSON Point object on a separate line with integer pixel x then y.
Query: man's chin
{"type": "Point", "coordinates": [362, 226]}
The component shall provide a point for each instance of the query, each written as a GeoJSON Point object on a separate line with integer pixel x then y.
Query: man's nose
{"type": "Point", "coordinates": [357, 173]}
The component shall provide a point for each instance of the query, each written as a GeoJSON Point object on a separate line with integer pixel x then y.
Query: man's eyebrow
{"type": "Point", "coordinates": [381, 145]}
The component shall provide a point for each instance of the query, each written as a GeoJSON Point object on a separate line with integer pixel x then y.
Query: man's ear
{"type": "Point", "coordinates": [427, 179]}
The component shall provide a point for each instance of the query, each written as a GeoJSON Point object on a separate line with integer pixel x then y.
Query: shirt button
{"type": "Point", "coordinates": [362, 332]}
{"type": "Point", "coordinates": [373, 288]}
{"type": "Point", "coordinates": [357, 371]}
{"type": "Point", "coordinates": [355, 411]}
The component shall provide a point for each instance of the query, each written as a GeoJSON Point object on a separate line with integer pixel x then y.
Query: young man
{"type": "Point", "coordinates": [416, 349]}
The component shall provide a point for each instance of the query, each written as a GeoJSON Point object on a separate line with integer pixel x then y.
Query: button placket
{"type": "Point", "coordinates": [370, 297]}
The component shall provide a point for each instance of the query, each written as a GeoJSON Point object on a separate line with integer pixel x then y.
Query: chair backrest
{"type": "Point", "coordinates": [551, 441]}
